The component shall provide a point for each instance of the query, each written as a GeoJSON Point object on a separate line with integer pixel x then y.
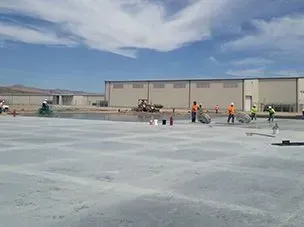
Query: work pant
{"type": "Point", "coordinates": [271, 117]}
{"type": "Point", "coordinates": [230, 117]}
{"type": "Point", "coordinates": [253, 116]}
{"type": "Point", "coordinates": [1, 110]}
{"type": "Point", "coordinates": [193, 116]}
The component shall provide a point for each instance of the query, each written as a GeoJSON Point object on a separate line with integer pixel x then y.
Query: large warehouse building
{"type": "Point", "coordinates": [285, 94]}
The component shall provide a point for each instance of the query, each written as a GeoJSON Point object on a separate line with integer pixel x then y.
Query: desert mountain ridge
{"type": "Point", "coordinates": [21, 89]}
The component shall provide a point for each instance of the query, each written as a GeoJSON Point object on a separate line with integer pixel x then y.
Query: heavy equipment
{"type": "Point", "coordinates": [144, 106]}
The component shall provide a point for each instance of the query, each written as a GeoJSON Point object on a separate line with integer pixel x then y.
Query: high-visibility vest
{"type": "Point", "coordinates": [254, 110]}
{"type": "Point", "coordinates": [231, 110]}
{"type": "Point", "coordinates": [195, 108]}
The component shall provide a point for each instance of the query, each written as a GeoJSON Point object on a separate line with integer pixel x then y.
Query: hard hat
{"type": "Point", "coordinates": [254, 105]}
{"type": "Point", "coordinates": [232, 104]}
{"type": "Point", "coordinates": [45, 100]}
{"type": "Point", "coordinates": [269, 107]}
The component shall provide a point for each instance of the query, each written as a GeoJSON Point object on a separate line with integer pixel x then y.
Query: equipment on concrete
{"type": "Point", "coordinates": [171, 120]}
{"type": "Point", "coordinates": [258, 134]}
{"type": "Point", "coordinates": [145, 106]}
{"type": "Point", "coordinates": [243, 118]}
{"type": "Point", "coordinates": [288, 143]}
{"type": "Point", "coordinates": [46, 112]}
{"type": "Point", "coordinates": [203, 118]}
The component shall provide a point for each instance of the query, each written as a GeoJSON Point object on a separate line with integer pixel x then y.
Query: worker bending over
{"type": "Point", "coordinates": [253, 112]}
{"type": "Point", "coordinates": [271, 112]}
{"type": "Point", "coordinates": [194, 110]}
{"type": "Point", "coordinates": [231, 113]}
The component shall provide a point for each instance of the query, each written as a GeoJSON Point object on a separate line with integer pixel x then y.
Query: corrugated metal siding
{"type": "Point", "coordinates": [222, 93]}
{"type": "Point", "coordinates": [38, 99]}
{"type": "Point", "coordinates": [94, 98]}
{"type": "Point", "coordinates": [78, 100]}
{"type": "Point", "coordinates": [107, 91]}
{"type": "Point", "coordinates": [127, 94]}
{"type": "Point", "coordinates": [86, 100]}
{"type": "Point", "coordinates": [301, 93]}
{"type": "Point", "coordinates": [25, 99]}
{"type": "Point", "coordinates": [277, 91]}
{"type": "Point", "coordinates": [170, 94]}
{"type": "Point", "coordinates": [251, 88]}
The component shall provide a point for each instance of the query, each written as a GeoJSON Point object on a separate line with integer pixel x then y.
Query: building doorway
{"type": "Point", "coordinates": [248, 103]}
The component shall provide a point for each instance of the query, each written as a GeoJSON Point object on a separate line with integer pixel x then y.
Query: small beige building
{"type": "Point", "coordinates": [25, 98]}
{"type": "Point", "coordinates": [285, 94]}
{"type": "Point", "coordinates": [87, 100]}
{"type": "Point", "coordinates": [56, 99]}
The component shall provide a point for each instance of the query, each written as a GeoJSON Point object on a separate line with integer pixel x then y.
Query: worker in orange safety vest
{"type": "Point", "coordinates": [231, 113]}
{"type": "Point", "coordinates": [194, 110]}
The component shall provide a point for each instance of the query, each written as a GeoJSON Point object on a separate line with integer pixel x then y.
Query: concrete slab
{"type": "Point", "coordinates": [64, 172]}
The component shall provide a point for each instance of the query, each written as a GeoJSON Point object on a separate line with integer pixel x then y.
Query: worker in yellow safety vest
{"type": "Point", "coordinates": [271, 112]}
{"type": "Point", "coordinates": [253, 112]}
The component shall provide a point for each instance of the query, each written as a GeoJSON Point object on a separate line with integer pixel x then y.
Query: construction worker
{"type": "Point", "coordinates": [217, 107]}
{"type": "Point", "coordinates": [1, 106]}
{"type": "Point", "coordinates": [194, 110]}
{"type": "Point", "coordinates": [200, 110]}
{"type": "Point", "coordinates": [271, 112]}
{"type": "Point", "coordinates": [45, 105]}
{"type": "Point", "coordinates": [231, 113]}
{"type": "Point", "coordinates": [253, 112]}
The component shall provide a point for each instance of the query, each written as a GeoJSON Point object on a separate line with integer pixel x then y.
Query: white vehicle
{"type": "Point", "coordinates": [5, 108]}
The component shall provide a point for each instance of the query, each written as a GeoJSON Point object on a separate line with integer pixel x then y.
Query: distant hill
{"type": "Point", "coordinates": [26, 90]}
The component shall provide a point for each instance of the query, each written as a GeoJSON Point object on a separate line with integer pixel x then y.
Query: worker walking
{"type": "Point", "coordinates": [253, 112]}
{"type": "Point", "coordinates": [271, 112]}
{"type": "Point", "coordinates": [231, 113]}
{"type": "Point", "coordinates": [217, 108]}
{"type": "Point", "coordinates": [194, 110]}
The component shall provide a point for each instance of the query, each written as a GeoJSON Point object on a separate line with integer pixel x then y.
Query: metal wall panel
{"type": "Point", "coordinates": [300, 94]}
{"type": "Point", "coordinates": [126, 94]}
{"type": "Point", "coordinates": [222, 93]}
{"type": "Point", "coordinates": [173, 94]}
{"type": "Point", "coordinates": [278, 91]}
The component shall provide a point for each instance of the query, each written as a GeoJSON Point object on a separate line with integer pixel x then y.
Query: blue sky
{"type": "Point", "coordinates": [79, 44]}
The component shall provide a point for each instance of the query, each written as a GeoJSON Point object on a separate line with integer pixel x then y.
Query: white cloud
{"type": "Point", "coordinates": [284, 34]}
{"type": "Point", "coordinates": [261, 72]}
{"type": "Point", "coordinates": [252, 61]}
{"type": "Point", "coordinates": [288, 73]}
{"type": "Point", "coordinates": [214, 60]}
{"type": "Point", "coordinates": [30, 35]}
{"type": "Point", "coordinates": [116, 26]}
{"type": "Point", "coordinates": [257, 72]}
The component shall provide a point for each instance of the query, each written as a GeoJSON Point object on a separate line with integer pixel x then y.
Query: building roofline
{"type": "Point", "coordinates": [204, 79]}
{"type": "Point", "coordinates": [62, 94]}
{"type": "Point", "coordinates": [24, 94]}
{"type": "Point", "coordinates": [46, 94]}
{"type": "Point", "coordinates": [92, 94]}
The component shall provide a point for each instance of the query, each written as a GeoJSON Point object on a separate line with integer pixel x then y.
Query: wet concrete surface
{"type": "Point", "coordinates": [85, 173]}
